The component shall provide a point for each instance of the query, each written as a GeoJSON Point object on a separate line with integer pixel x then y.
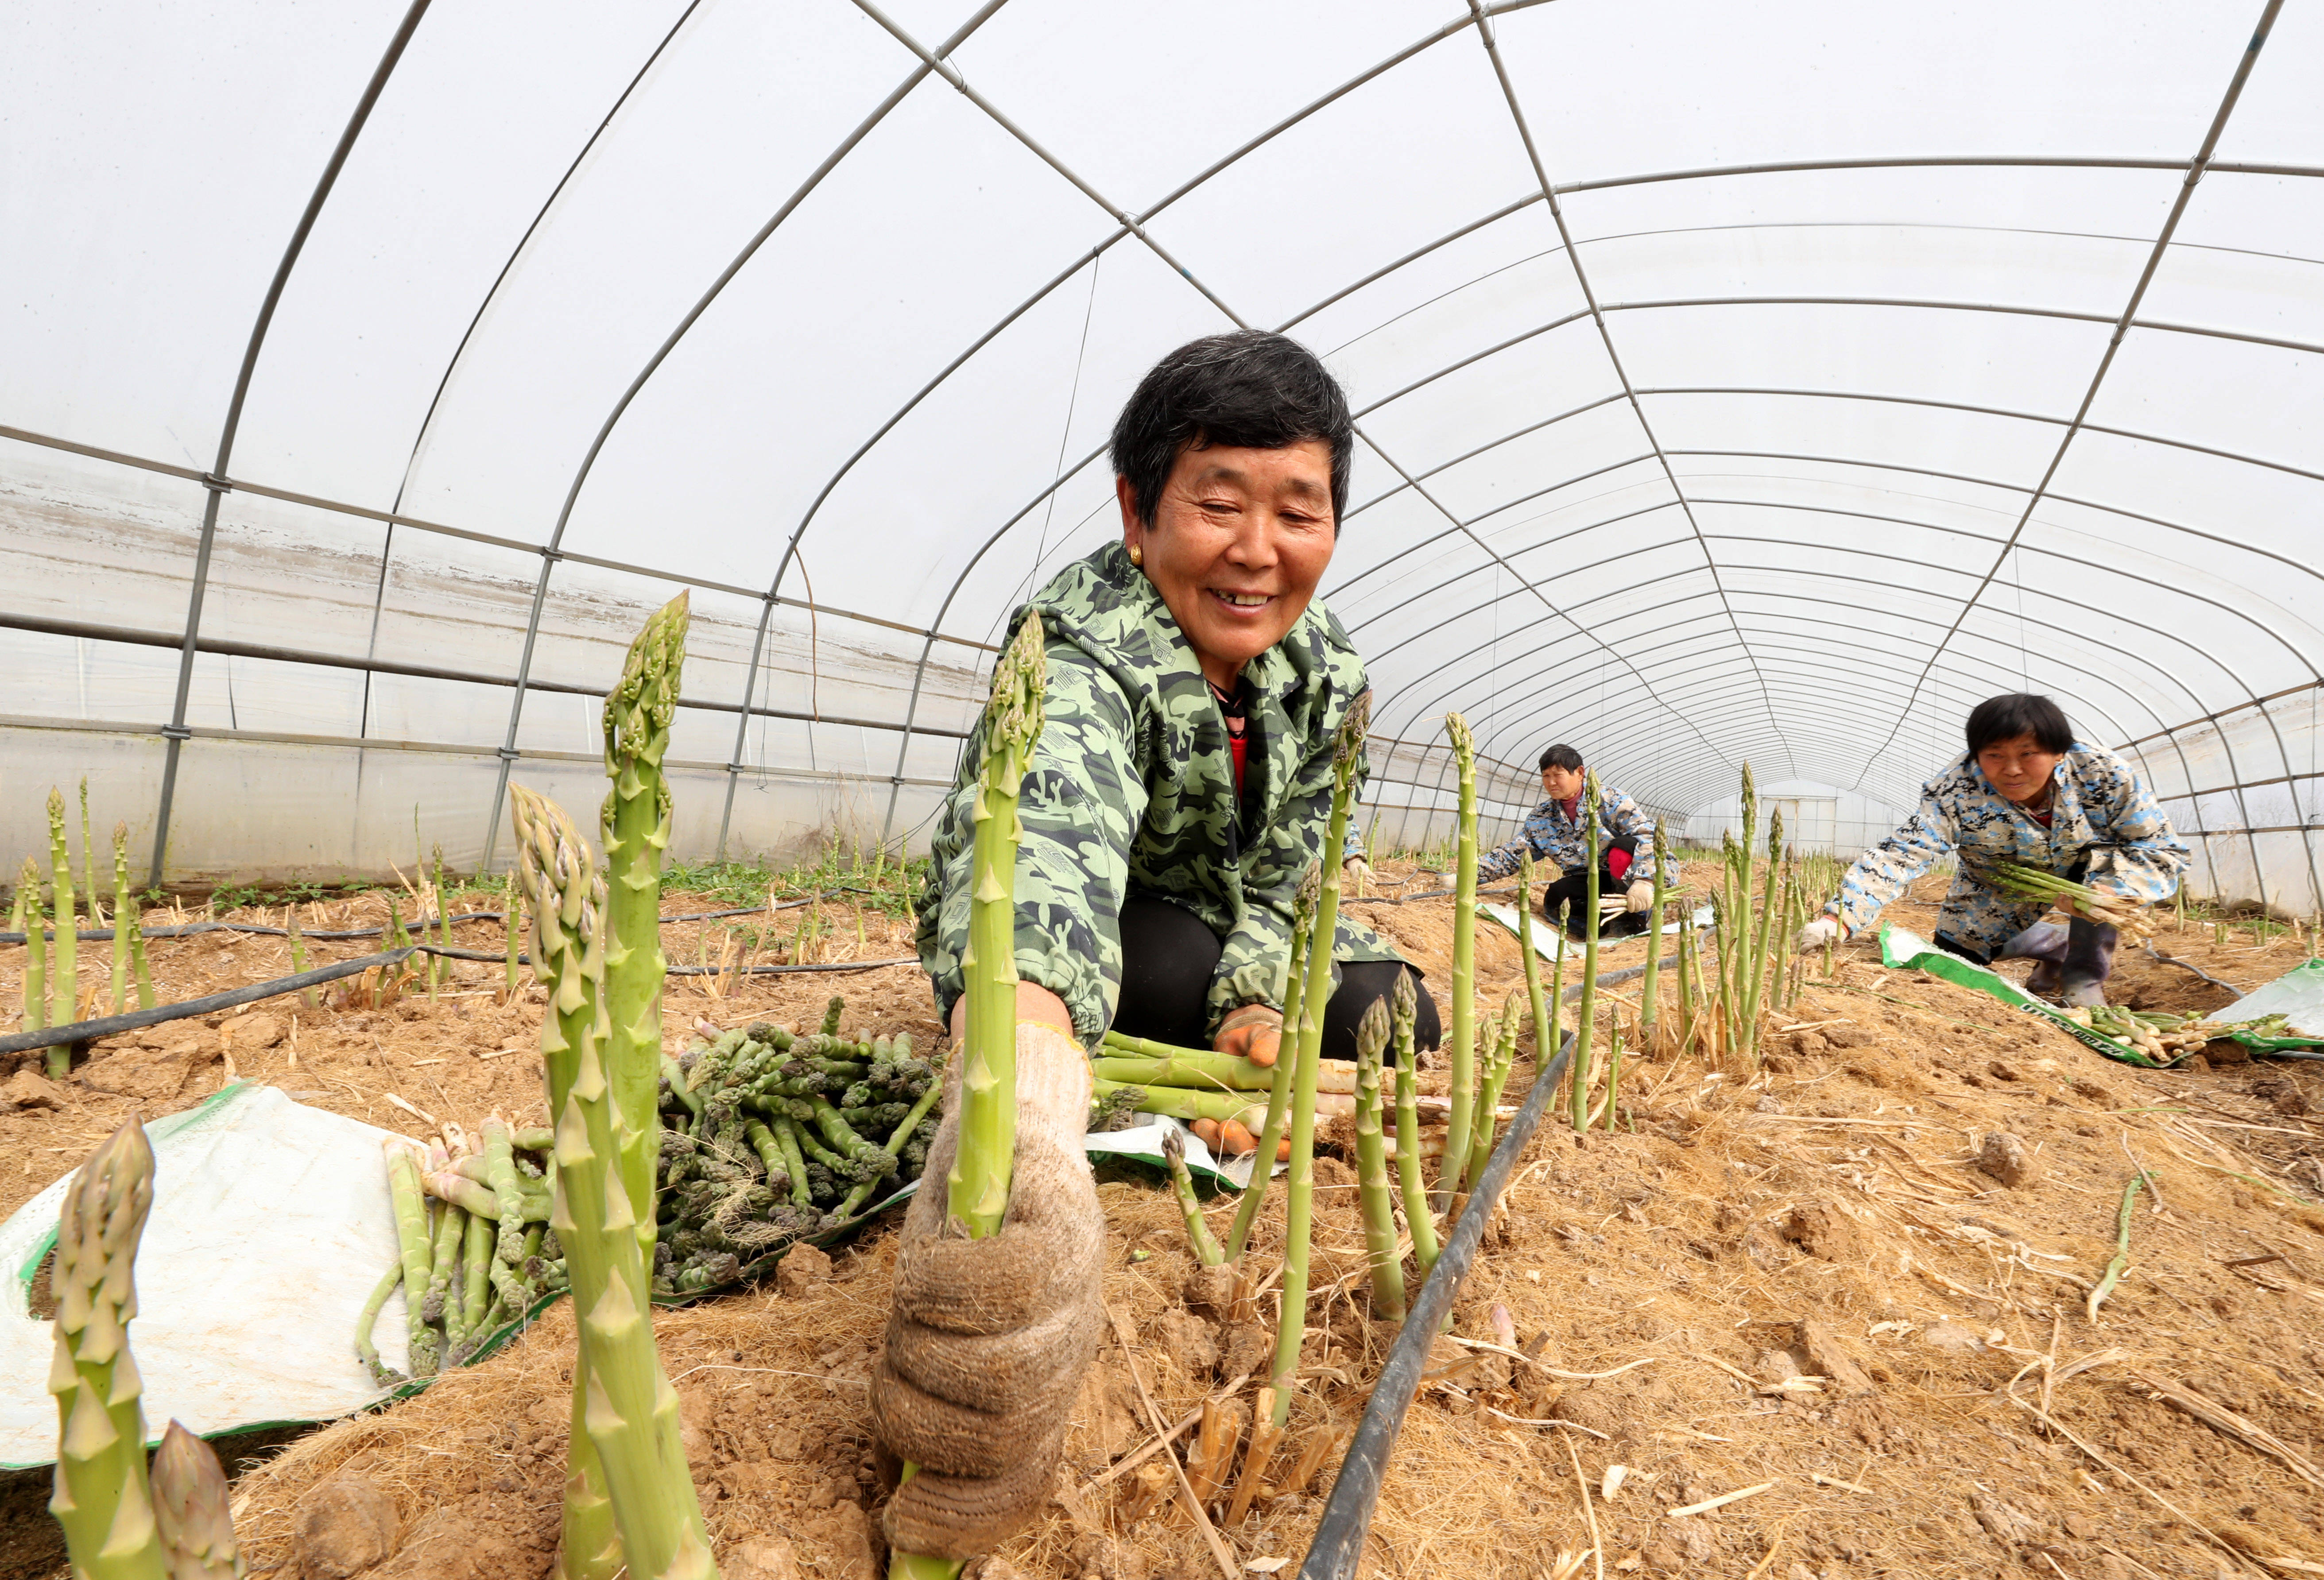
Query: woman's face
{"type": "Point", "coordinates": [1562, 784]}
{"type": "Point", "coordinates": [1238, 542]}
{"type": "Point", "coordinates": [2019, 768]}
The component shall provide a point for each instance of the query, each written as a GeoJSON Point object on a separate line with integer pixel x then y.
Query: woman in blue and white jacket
{"type": "Point", "coordinates": [2027, 792]}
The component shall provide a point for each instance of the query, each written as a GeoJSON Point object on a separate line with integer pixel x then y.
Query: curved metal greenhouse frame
{"type": "Point", "coordinates": [1709, 426]}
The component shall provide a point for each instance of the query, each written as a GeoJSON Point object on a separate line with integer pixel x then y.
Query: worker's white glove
{"type": "Point", "coordinates": [1638, 897]}
{"type": "Point", "coordinates": [1821, 933]}
{"type": "Point", "coordinates": [988, 1339]}
{"type": "Point", "coordinates": [1356, 873]}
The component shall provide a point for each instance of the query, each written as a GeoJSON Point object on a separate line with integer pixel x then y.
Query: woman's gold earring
{"type": "Point", "coordinates": [1137, 554]}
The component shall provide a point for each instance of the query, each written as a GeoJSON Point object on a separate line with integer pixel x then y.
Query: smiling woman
{"type": "Point", "coordinates": [1179, 793]}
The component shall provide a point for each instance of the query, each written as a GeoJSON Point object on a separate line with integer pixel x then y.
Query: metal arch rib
{"type": "Point", "coordinates": [1136, 227]}
{"type": "Point", "coordinates": [483, 305]}
{"type": "Point", "coordinates": [653, 363]}
{"type": "Point", "coordinates": [2137, 659]}
{"type": "Point", "coordinates": [2195, 168]}
{"type": "Point", "coordinates": [1540, 648]}
{"type": "Point", "coordinates": [1485, 36]}
{"type": "Point", "coordinates": [215, 482]}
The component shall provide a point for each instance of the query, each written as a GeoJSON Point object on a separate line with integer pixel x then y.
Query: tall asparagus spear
{"type": "Point", "coordinates": [624, 1407]}
{"type": "Point", "coordinates": [1544, 1019]}
{"type": "Point", "coordinates": [1586, 1020]}
{"type": "Point", "coordinates": [1646, 992]}
{"type": "Point", "coordinates": [89, 858]}
{"type": "Point", "coordinates": [1347, 754]}
{"type": "Point", "coordinates": [1403, 1010]}
{"type": "Point", "coordinates": [1371, 1166]}
{"type": "Point", "coordinates": [1464, 965]}
{"type": "Point", "coordinates": [102, 1499]}
{"type": "Point", "coordinates": [1755, 991]}
{"type": "Point", "coordinates": [976, 1192]}
{"type": "Point", "coordinates": [513, 926]}
{"type": "Point", "coordinates": [63, 986]}
{"type": "Point", "coordinates": [25, 916]}
{"type": "Point", "coordinates": [636, 821]}
{"type": "Point", "coordinates": [125, 918]}
{"type": "Point", "coordinates": [192, 1510]}
{"type": "Point", "coordinates": [1278, 1096]}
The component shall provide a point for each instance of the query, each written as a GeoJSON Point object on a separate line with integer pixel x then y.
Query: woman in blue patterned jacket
{"type": "Point", "coordinates": [2027, 792]}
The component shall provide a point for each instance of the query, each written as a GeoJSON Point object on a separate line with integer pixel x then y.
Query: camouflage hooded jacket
{"type": "Point", "coordinates": [2096, 802]}
{"type": "Point", "coordinates": [1558, 842]}
{"type": "Point", "coordinates": [1132, 789]}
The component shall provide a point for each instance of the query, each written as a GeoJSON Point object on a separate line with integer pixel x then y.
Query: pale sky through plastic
{"type": "Point", "coordinates": [1765, 487]}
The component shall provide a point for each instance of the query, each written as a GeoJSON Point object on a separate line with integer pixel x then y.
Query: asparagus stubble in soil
{"type": "Point", "coordinates": [625, 1409]}
{"type": "Point", "coordinates": [976, 1192]}
{"type": "Point", "coordinates": [102, 1497]}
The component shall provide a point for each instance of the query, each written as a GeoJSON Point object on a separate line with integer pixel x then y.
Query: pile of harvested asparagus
{"type": "Point", "coordinates": [2116, 910]}
{"type": "Point", "coordinates": [2161, 1035]}
{"type": "Point", "coordinates": [469, 1216]}
{"type": "Point", "coordinates": [769, 1134]}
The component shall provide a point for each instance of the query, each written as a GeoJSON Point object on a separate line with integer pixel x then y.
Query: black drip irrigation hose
{"type": "Point", "coordinates": [102, 934]}
{"type": "Point", "coordinates": [234, 998]}
{"type": "Point", "coordinates": [1339, 1541]}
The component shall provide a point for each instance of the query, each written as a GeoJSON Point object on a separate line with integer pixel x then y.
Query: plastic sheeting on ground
{"type": "Point", "coordinates": [270, 1225]}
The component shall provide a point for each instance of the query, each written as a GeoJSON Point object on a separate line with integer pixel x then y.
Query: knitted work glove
{"type": "Point", "coordinates": [988, 1339]}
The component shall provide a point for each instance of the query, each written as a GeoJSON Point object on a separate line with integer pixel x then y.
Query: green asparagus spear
{"type": "Point", "coordinates": [977, 1191]}
{"type": "Point", "coordinates": [102, 1499]}
{"type": "Point", "coordinates": [24, 917]}
{"type": "Point", "coordinates": [627, 1408]}
{"type": "Point", "coordinates": [636, 822]}
{"type": "Point", "coordinates": [1347, 760]}
{"type": "Point", "coordinates": [192, 1510]}
{"type": "Point", "coordinates": [64, 987]}
{"type": "Point", "coordinates": [1371, 1166]}
{"type": "Point", "coordinates": [1586, 1018]}
{"type": "Point", "coordinates": [1190, 1206]}
{"type": "Point", "coordinates": [1278, 1097]}
{"type": "Point", "coordinates": [1464, 967]}
{"type": "Point", "coordinates": [366, 1350]}
{"type": "Point", "coordinates": [411, 1234]}
{"type": "Point", "coordinates": [1403, 1012]}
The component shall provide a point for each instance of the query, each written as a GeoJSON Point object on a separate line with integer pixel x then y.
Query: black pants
{"type": "Point", "coordinates": [1570, 895]}
{"type": "Point", "coordinates": [1168, 957]}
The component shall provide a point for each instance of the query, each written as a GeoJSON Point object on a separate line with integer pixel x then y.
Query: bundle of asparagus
{"type": "Point", "coordinates": [2161, 1035]}
{"type": "Point", "coordinates": [2110, 906]}
{"type": "Point", "coordinates": [470, 1237]}
{"type": "Point", "coordinates": [768, 1135]}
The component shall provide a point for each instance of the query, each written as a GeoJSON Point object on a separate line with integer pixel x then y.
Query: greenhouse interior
{"type": "Point", "coordinates": [1735, 399]}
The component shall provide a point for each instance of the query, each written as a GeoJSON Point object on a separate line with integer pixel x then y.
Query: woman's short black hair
{"type": "Point", "coordinates": [1247, 390]}
{"type": "Point", "coordinates": [1564, 757]}
{"type": "Point", "coordinates": [2019, 712]}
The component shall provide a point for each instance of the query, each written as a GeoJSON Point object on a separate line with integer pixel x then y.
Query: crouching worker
{"type": "Point", "coordinates": [1180, 792]}
{"type": "Point", "coordinates": [2028, 793]}
{"type": "Point", "coordinates": [1553, 833]}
